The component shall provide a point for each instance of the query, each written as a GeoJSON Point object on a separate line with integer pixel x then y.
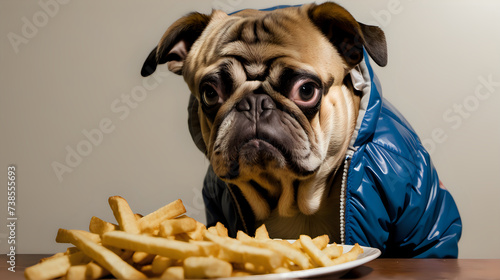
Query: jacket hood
{"type": "Point", "coordinates": [367, 82]}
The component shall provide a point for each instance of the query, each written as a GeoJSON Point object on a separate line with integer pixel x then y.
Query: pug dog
{"type": "Point", "coordinates": [274, 107]}
{"type": "Point", "coordinates": [274, 104]}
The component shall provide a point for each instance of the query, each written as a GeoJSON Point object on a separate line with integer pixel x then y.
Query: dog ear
{"type": "Point", "coordinates": [375, 43]}
{"type": "Point", "coordinates": [176, 43]}
{"type": "Point", "coordinates": [348, 35]}
{"type": "Point", "coordinates": [194, 124]}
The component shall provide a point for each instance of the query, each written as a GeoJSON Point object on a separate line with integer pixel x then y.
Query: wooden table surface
{"type": "Point", "coordinates": [376, 269]}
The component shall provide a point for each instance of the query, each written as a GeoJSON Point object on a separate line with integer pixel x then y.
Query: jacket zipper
{"type": "Point", "coordinates": [348, 157]}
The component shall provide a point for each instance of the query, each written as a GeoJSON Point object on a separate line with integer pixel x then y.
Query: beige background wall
{"type": "Point", "coordinates": [70, 71]}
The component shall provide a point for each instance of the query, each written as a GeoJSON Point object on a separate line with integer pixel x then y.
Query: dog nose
{"type": "Point", "coordinates": [256, 104]}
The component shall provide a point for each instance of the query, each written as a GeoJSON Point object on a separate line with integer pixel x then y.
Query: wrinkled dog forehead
{"type": "Point", "coordinates": [286, 28]}
{"type": "Point", "coordinates": [260, 37]}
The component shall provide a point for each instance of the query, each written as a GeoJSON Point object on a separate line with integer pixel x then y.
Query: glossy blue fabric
{"type": "Point", "coordinates": [394, 199]}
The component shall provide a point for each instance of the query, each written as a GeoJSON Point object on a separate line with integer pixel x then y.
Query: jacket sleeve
{"type": "Point", "coordinates": [429, 225]}
{"type": "Point", "coordinates": [397, 204]}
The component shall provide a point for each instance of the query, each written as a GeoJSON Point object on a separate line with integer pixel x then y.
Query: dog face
{"type": "Point", "coordinates": [272, 106]}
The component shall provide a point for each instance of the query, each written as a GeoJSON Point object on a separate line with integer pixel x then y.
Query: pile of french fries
{"type": "Point", "coordinates": [168, 244]}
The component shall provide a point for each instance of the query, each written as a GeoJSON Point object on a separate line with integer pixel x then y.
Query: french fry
{"type": "Point", "coordinates": [63, 237]}
{"type": "Point", "coordinates": [240, 235]}
{"type": "Point", "coordinates": [181, 237]}
{"type": "Point", "coordinates": [206, 267]}
{"type": "Point", "coordinates": [213, 230]}
{"type": "Point", "coordinates": [160, 264]}
{"type": "Point", "coordinates": [321, 241]}
{"type": "Point", "coordinates": [173, 272]}
{"type": "Point", "coordinates": [240, 273]}
{"type": "Point", "coordinates": [142, 258]}
{"type": "Point", "coordinates": [76, 272]}
{"type": "Point", "coordinates": [349, 256]}
{"type": "Point", "coordinates": [99, 226]}
{"type": "Point", "coordinates": [281, 270]}
{"type": "Point", "coordinates": [207, 248]}
{"type": "Point", "coordinates": [251, 268]}
{"type": "Point", "coordinates": [151, 222]}
{"type": "Point", "coordinates": [261, 233]}
{"type": "Point", "coordinates": [72, 250]}
{"type": "Point", "coordinates": [95, 271]}
{"type": "Point", "coordinates": [234, 251]}
{"type": "Point", "coordinates": [126, 255]}
{"type": "Point", "coordinates": [290, 253]}
{"type": "Point", "coordinates": [123, 214]}
{"type": "Point", "coordinates": [197, 234]}
{"type": "Point", "coordinates": [287, 251]}
{"type": "Point", "coordinates": [56, 255]}
{"type": "Point", "coordinates": [147, 270]}
{"type": "Point", "coordinates": [333, 251]}
{"type": "Point", "coordinates": [182, 224]}
{"type": "Point", "coordinates": [152, 245]}
{"type": "Point", "coordinates": [106, 258]}
{"type": "Point", "coordinates": [138, 216]}
{"type": "Point", "coordinates": [296, 244]}
{"type": "Point", "coordinates": [221, 229]}
{"type": "Point", "coordinates": [54, 267]}
{"type": "Point", "coordinates": [314, 252]}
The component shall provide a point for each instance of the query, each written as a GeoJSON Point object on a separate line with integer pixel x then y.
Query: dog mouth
{"type": "Point", "coordinates": [263, 153]}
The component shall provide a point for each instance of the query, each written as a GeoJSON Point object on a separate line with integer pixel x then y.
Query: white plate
{"type": "Point", "coordinates": [368, 254]}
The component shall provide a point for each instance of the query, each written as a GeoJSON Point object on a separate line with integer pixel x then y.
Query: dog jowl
{"type": "Point", "coordinates": [272, 103]}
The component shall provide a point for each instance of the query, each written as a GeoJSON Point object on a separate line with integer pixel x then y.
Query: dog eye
{"type": "Point", "coordinates": [209, 95]}
{"type": "Point", "coordinates": [305, 93]}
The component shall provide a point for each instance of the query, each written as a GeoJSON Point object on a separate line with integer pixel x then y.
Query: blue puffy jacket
{"type": "Point", "coordinates": [393, 199]}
